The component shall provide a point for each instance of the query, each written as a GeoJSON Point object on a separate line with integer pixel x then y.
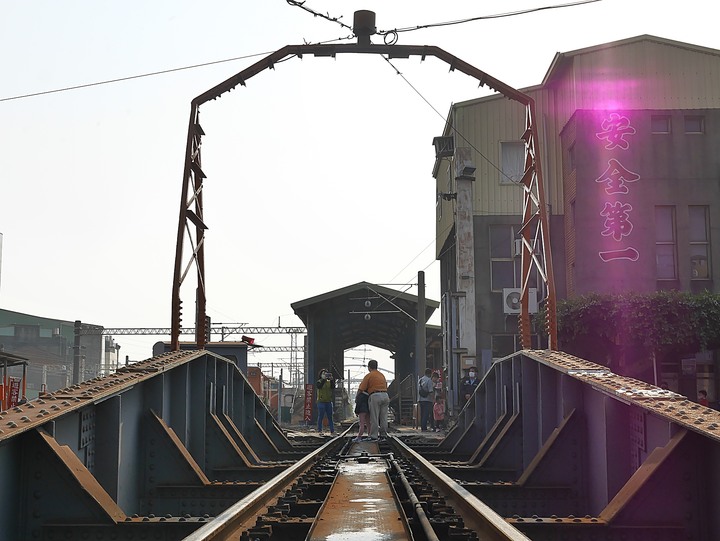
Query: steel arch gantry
{"type": "Point", "coordinates": [192, 225]}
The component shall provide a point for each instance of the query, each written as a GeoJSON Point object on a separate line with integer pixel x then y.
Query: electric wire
{"type": "Point", "coordinates": [486, 17]}
{"type": "Point", "coordinates": [131, 77]}
{"type": "Point", "coordinates": [384, 33]}
{"type": "Point", "coordinates": [154, 73]}
{"type": "Point", "coordinates": [453, 128]}
{"type": "Point", "coordinates": [326, 16]}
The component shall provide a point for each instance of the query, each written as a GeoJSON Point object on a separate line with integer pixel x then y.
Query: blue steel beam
{"type": "Point", "coordinates": [153, 450]}
{"type": "Point", "coordinates": [556, 444]}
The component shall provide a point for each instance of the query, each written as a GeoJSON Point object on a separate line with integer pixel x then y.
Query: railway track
{"type": "Point", "coordinates": [359, 491]}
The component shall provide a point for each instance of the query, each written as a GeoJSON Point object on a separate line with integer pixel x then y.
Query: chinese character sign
{"type": "Point", "coordinates": [14, 392]}
{"type": "Point", "coordinates": [615, 214]}
{"type": "Point", "coordinates": [615, 129]}
{"type": "Point", "coordinates": [309, 392]}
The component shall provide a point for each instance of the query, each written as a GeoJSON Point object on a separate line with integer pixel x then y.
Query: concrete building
{"type": "Point", "coordinates": [48, 344]}
{"type": "Point", "coordinates": [629, 132]}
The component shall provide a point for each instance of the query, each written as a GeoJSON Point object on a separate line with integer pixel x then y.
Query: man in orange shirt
{"type": "Point", "coordinates": [375, 384]}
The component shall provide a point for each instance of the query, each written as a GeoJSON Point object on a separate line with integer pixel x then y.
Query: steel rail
{"type": "Point", "coordinates": [417, 506]}
{"type": "Point", "coordinates": [486, 522]}
{"type": "Point", "coordinates": [227, 522]}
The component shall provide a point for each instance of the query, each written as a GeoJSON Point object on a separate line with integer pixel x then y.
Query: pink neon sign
{"type": "Point", "coordinates": [615, 132]}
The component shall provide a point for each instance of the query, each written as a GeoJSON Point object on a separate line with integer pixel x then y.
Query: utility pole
{"type": "Point", "coordinates": [420, 333]}
{"type": "Point", "coordinates": [279, 397]}
{"type": "Point", "coordinates": [76, 354]}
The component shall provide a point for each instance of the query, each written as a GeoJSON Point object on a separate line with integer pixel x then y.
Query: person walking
{"type": "Point", "coordinates": [325, 396]}
{"type": "Point", "coordinates": [362, 410]}
{"type": "Point", "coordinates": [375, 384]}
{"type": "Point", "coordinates": [426, 398]}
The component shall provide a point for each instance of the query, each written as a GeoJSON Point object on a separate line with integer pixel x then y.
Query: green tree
{"type": "Point", "coordinates": [628, 332]}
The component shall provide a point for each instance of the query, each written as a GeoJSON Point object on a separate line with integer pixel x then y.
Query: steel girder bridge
{"type": "Point", "coordinates": [558, 447]}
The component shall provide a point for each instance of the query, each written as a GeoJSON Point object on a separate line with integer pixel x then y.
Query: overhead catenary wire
{"type": "Point", "coordinates": [151, 74]}
{"type": "Point", "coordinates": [487, 17]}
{"type": "Point", "coordinates": [314, 13]}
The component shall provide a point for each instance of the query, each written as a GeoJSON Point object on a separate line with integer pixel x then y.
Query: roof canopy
{"type": "Point", "coordinates": [364, 313]}
{"type": "Point", "coordinates": [11, 359]}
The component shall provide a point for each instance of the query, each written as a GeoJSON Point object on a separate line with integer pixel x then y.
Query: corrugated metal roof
{"type": "Point", "coordinates": [556, 66]}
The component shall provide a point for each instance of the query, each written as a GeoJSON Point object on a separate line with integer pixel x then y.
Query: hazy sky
{"type": "Point", "coordinates": [319, 172]}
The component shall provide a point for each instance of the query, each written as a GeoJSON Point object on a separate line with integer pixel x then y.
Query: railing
{"type": "Point", "coordinates": [402, 399]}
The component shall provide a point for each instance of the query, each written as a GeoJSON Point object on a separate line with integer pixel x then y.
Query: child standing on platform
{"type": "Point", "coordinates": [439, 413]}
{"type": "Point", "coordinates": [362, 409]}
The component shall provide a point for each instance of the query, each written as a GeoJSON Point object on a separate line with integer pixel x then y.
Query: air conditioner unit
{"type": "Point", "coordinates": [518, 247]}
{"type": "Point", "coordinates": [511, 300]}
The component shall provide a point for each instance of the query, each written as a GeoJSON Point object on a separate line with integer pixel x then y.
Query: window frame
{"type": "Point", "coordinates": [502, 259]}
{"type": "Point", "coordinates": [672, 243]}
{"type": "Point", "coordinates": [507, 177]}
{"type": "Point", "coordinates": [701, 121]}
{"type": "Point", "coordinates": [703, 242]}
{"type": "Point", "coordinates": [668, 122]}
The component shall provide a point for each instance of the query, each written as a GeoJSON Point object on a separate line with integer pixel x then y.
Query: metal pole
{"type": "Point", "coordinates": [279, 397]}
{"type": "Point", "coordinates": [76, 353]}
{"type": "Point", "coordinates": [420, 333]}
{"type": "Point", "coordinates": [3, 386]}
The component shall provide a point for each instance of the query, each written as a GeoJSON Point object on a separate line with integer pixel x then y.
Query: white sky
{"type": "Point", "coordinates": [319, 172]}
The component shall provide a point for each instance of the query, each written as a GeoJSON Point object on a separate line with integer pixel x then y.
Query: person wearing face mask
{"type": "Point", "coordinates": [468, 384]}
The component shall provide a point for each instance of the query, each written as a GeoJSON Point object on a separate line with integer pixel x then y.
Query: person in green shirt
{"type": "Point", "coordinates": [325, 397]}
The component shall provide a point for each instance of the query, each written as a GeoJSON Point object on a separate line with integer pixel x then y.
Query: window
{"type": "Point", "coordinates": [27, 332]}
{"type": "Point", "coordinates": [571, 157]}
{"type": "Point", "coordinates": [665, 246]}
{"type": "Point", "coordinates": [502, 264]}
{"type": "Point", "coordinates": [694, 124]}
{"type": "Point", "coordinates": [505, 261]}
{"type": "Point", "coordinates": [513, 161]}
{"type": "Point", "coordinates": [660, 124]}
{"type": "Point", "coordinates": [699, 242]}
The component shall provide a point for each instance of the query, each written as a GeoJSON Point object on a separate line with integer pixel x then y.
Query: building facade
{"type": "Point", "coordinates": [49, 344]}
{"type": "Point", "coordinates": [628, 135]}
